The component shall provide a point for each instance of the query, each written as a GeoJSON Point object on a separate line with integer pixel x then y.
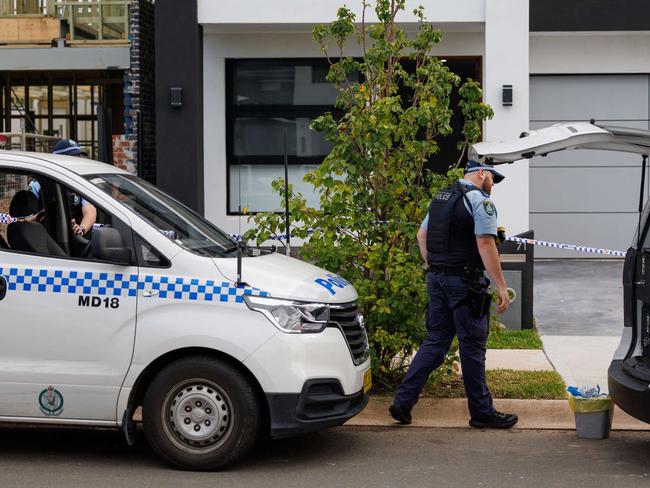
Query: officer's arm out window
{"type": "Point", "coordinates": [171, 218]}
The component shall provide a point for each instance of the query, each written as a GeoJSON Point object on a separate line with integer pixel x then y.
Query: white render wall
{"type": "Point", "coordinates": [496, 30]}
{"type": "Point", "coordinates": [287, 12]}
{"type": "Point", "coordinates": [506, 63]}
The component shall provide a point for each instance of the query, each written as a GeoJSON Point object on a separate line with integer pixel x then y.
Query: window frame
{"type": "Point", "coordinates": [473, 64]}
{"type": "Point", "coordinates": [166, 263]}
{"type": "Point", "coordinates": [234, 112]}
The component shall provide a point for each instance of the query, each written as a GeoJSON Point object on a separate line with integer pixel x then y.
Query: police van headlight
{"type": "Point", "coordinates": [291, 316]}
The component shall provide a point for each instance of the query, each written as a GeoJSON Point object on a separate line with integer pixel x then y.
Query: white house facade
{"type": "Point", "coordinates": [261, 81]}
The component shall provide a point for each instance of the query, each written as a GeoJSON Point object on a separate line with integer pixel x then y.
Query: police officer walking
{"type": "Point", "coordinates": [457, 243]}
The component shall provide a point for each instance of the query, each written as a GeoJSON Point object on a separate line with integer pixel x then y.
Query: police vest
{"type": "Point", "coordinates": [450, 234]}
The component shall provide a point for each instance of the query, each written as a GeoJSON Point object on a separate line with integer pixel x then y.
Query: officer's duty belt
{"type": "Point", "coordinates": [466, 272]}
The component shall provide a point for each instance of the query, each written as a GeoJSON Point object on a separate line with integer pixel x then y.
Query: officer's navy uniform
{"type": "Point", "coordinates": [456, 216]}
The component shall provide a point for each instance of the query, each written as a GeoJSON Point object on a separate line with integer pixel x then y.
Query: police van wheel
{"type": "Point", "coordinates": [201, 413]}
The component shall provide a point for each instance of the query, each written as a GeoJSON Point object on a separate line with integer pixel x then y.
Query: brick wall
{"type": "Point", "coordinates": [124, 153]}
{"type": "Point", "coordinates": [139, 93]}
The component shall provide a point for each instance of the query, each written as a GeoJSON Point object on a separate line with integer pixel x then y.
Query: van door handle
{"type": "Point", "coordinates": [3, 287]}
{"type": "Point", "coordinates": [640, 283]}
{"type": "Point", "coordinates": [148, 292]}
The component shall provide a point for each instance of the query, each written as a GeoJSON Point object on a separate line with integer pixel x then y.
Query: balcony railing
{"type": "Point", "coordinates": [86, 19]}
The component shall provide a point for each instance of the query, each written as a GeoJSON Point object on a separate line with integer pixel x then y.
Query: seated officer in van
{"type": "Point", "coordinates": [27, 233]}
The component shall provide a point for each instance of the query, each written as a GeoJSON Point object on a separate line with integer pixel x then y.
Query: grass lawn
{"type": "Point", "coordinates": [514, 339]}
{"type": "Point", "coordinates": [505, 383]}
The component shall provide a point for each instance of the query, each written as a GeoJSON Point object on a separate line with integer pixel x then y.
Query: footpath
{"type": "Point", "coordinates": [533, 414]}
{"type": "Point", "coordinates": [579, 315]}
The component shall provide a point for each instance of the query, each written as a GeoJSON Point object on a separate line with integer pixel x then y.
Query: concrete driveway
{"type": "Point", "coordinates": [579, 313]}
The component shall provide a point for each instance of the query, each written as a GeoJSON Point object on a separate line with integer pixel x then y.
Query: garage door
{"type": "Point", "coordinates": [586, 197]}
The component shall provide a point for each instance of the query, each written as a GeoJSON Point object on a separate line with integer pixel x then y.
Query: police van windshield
{"type": "Point", "coordinates": [173, 219]}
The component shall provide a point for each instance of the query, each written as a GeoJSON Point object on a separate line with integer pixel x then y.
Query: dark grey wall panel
{"type": "Point", "coordinates": [179, 134]}
{"type": "Point", "coordinates": [589, 15]}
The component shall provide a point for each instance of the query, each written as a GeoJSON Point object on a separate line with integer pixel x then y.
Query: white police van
{"type": "Point", "coordinates": [149, 311]}
{"type": "Point", "coordinates": [629, 371]}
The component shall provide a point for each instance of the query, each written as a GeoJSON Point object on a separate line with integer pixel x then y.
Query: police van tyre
{"type": "Point", "coordinates": [201, 413]}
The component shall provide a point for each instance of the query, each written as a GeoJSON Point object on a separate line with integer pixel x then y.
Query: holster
{"type": "Point", "coordinates": [479, 299]}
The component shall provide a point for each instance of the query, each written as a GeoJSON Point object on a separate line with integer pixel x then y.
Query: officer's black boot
{"type": "Point", "coordinates": [497, 420]}
{"type": "Point", "coordinates": [401, 414]}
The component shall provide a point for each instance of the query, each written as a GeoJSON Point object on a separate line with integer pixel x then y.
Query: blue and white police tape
{"type": "Point", "coordinates": [6, 219]}
{"type": "Point", "coordinates": [568, 247]}
{"type": "Point", "coordinates": [520, 240]}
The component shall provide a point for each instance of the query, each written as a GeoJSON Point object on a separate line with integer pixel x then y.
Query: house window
{"type": "Point", "coordinates": [271, 103]}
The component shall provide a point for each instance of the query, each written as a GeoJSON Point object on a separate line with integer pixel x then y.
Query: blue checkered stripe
{"type": "Point", "coordinates": [124, 285]}
{"type": "Point", "coordinates": [194, 289]}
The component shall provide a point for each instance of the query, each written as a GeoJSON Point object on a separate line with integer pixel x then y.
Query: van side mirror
{"type": "Point", "coordinates": [106, 244]}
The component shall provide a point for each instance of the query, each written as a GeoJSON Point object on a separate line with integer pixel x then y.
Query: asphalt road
{"type": "Point", "coordinates": [341, 457]}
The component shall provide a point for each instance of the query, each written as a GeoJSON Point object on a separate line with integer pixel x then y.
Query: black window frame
{"type": "Point", "coordinates": [234, 111]}
{"type": "Point", "coordinates": [473, 67]}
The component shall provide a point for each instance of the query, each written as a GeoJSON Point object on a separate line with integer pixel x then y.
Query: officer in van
{"type": "Point", "coordinates": [457, 243]}
{"type": "Point", "coordinates": [83, 213]}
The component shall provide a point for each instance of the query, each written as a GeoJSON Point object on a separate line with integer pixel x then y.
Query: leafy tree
{"type": "Point", "coordinates": [374, 189]}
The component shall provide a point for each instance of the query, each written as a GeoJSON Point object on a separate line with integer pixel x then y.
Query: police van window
{"type": "Point", "coordinates": [29, 216]}
{"type": "Point", "coordinates": [646, 223]}
{"type": "Point", "coordinates": [10, 184]}
{"type": "Point", "coordinates": [172, 219]}
{"type": "Point", "coordinates": [40, 216]}
{"type": "Point", "coordinates": [148, 256]}
{"type": "Point", "coordinates": [87, 219]}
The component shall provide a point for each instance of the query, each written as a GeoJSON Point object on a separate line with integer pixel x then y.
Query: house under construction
{"type": "Point", "coordinates": [81, 70]}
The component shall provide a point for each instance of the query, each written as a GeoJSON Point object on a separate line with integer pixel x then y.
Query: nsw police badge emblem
{"type": "Point", "coordinates": [489, 207]}
{"type": "Point", "coordinates": [50, 401]}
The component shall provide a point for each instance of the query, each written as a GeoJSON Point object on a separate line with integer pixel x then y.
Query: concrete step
{"type": "Point", "coordinates": [519, 359]}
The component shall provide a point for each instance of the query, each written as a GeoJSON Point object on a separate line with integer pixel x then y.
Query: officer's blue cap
{"type": "Point", "coordinates": [69, 147]}
{"type": "Point", "coordinates": [473, 166]}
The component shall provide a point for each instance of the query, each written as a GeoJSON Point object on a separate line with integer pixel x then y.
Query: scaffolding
{"type": "Point", "coordinates": [26, 141]}
{"type": "Point", "coordinates": [99, 20]}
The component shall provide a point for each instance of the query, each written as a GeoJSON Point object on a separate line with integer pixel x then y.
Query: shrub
{"type": "Point", "coordinates": [374, 190]}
